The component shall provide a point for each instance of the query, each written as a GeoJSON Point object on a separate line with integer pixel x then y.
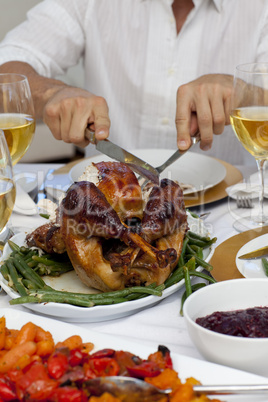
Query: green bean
{"type": "Point", "coordinates": [114, 294]}
{"type": "Point", "coordinates": [17, 284]}
{"type": "Point", "coordinates": [264, 262]}
{"type": "Point", "coordinates": [46, 216]}
{"type": "Point", "coordinates": [203, 276]}
{"type": "Point", "coordinates": [13, 246]}
{"type": "Point", "coordinates": [199, 242]}
{"type": "Point", "coordinates": [175, 277]}
{"type": "Point", "coordinates": [198, 250]}
{"type": "Point", "coordinates": [81, 299]}
{"type": "Point", "coordinates": [28, 284]}
{"type": "Point", "coordinates": [200, 261]}
{"type": "Point", "coordinates": [181, 261]}
{"type": "Point", "coordinates": [195, 287]}
{"type": "Point", "coordinates": [4, 271]}
{"type": "Point", "coordinates": [188, 286]}
{"type": "Point", "coordinates": [192, 214]}
{"type": "Point", "coordinates": [31, 265]}
{"type": "Point", "coordinates": [199, 237]}
{"type": "Point", "coordinates": [135, 296]}
{"type": "Point", "coordinates": [56, 298]}
{"type": "Point", "coordinates": [28, 273]}
{"type": "Point", "coordinates": [25, 250]}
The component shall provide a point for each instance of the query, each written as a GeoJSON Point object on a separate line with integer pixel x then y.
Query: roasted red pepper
{"type": "Point", "coordinates": [162, 357]}
{"type": "Point", "coordinates": [145, 369]}
{"type": "Point", "coordinates": [68, 394]}
{"type": "Point", "coordinates": [102, 353]}
{"type": "Point", "coordinates": [126, 359]}
{"type": "Point", "coordinates": [57, 365]}
{"type": "Point", "coordinates": [75, 357]}
{"type": "Point", "coordinates": [35, 384]}
{"type": "Point", "coordinates": [7, 391]}
{"type": "Point", "coordinates": [104, 366]}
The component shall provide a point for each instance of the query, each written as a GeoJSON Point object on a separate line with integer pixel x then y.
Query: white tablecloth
{"type": "Point", "coordinates": [162, 323]}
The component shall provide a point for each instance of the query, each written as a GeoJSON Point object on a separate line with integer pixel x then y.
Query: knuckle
{"type": "Point", "coordinates": [100, 101]}
{"type": "Point", "coordinates": [182, 90]}
{"type": "Point", "coordinates": [50, 111]}
{"type": "Point", "coordinates": [205, 119]}
{"type": "Point", "coordinates": [219, 120]}
{"type": "Point", "coordinates": [66, 104]}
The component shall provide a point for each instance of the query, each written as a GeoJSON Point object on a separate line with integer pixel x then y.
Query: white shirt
{"type": "Point", "coordinates": [134, 58]}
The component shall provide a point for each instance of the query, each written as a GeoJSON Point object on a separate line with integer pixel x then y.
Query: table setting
{"type": "Point", "coordinates": [149, 325]}
{"type": "Point", "coordinates": [210, 191]}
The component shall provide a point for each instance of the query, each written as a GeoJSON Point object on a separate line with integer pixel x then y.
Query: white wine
{"type": "Point", "coordinates": [7, 200]}
{"type": "Point", "coordinates": [19, 130]}
{"type": "Point", "coordinates": [250, 125]}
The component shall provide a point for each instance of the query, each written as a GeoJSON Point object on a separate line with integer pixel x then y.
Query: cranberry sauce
{"type": "Point", "coordinates": [248, 323]}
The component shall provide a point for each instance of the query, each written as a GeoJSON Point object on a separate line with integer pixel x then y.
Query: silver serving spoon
{"type": "Point", "coordinates": [128, 388]}
{"type": "Point", "coordinates": [134, 389]}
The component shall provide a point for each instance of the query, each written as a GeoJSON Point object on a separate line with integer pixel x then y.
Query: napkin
{"type": "Point", "coordinates": [250, 187]}
{"type": "Point", "coordinates": [24, 205]}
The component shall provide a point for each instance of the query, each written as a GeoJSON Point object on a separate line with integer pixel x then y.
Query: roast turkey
{"type": "Point", "coordinates": [115, 234]}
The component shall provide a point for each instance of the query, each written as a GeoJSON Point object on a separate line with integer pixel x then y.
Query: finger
{"type": "Point", "coordinates": [218, 115]}
{"type": "Point", "coordinates": [204, 118]}
{"type": "Point", "coordinates": [227, 110]}
{"type": "Point", "coordinates": [101, 121]}
{"type": "Point", "coordinates": [79, 122]}
{"type": "Point", "coordinates": [66, 117]}
{"type": "Point", "coordinates": [52, 120]}
{"type": "Point", "coordinates": [183, 118]}
{"type": "Point", "coordinates": [193, 125]}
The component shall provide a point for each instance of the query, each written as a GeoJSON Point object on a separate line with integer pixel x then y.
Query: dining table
{"type": "Point", "coordinates": [162, 323]}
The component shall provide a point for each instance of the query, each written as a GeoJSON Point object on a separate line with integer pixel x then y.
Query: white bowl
{"type": "Point", "coordinates": [249, 354]}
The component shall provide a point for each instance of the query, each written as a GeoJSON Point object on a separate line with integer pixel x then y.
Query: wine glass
{"type": "Point", "coordinates": [249, 119]}
{"type": "Point", "coordinates": [7, 186]}
{"type": "Point", "coordinates": [16, 114]}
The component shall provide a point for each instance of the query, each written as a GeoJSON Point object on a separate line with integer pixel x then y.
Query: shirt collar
{"type": "Point", "coordinates": [218, 3]}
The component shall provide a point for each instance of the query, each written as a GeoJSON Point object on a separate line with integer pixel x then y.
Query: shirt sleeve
{"type": "Point", "coordinates": [51, 39]}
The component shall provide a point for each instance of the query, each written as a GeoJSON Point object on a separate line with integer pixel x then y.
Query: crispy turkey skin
{"type": "Point", "coordinates": [114, 237]}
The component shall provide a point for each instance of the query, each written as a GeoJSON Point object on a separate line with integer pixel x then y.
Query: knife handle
{"type": "Point", "coordinates": [90, 135]}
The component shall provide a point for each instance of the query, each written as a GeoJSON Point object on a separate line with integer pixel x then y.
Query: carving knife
{"type": "Point", "coordinates": [260, 252]}
{"type": "Point", "coordinates": [119, 154]}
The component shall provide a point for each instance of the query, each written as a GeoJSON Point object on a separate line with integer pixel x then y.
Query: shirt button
{"type": "Point", "coordinates": [171, 71]}
{"type": "Point", "coordinates": [165, 121]}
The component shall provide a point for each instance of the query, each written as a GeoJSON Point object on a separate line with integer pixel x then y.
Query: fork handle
{"type": "Point", "coordinates": [90, 135]}
{"type": "Point", "coordinates": [177, 154]}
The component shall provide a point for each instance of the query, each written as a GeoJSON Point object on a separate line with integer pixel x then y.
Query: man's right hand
{"type": "Point", "coordinates": [70, 110]}
{"type": "Point", "coordinates": [66, 110]}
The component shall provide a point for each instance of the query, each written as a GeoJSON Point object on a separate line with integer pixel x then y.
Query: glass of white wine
{"type": "Point", "coordinates": [249, 119]}
{"type": "Point", "coordinates": [7, 186]}
{"type": "Point", "coordinates": [16, 114]}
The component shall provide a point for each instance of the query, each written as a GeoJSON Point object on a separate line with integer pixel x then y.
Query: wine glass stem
{"type": "Point", "coordinates": [260, 164]}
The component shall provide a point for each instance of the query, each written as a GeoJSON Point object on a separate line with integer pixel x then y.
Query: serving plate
{"type": "Point", "coordinates": [207, 373]}
{"type": "Point", "coordinates": [252, 268]}
{"type": "Point", "coordinates": [199, 171]}
{"type": "Point", "coordinates": [70, 282]}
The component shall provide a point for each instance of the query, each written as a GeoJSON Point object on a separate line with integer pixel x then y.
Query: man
{"type": "Point", "coordinates": [152, 68]}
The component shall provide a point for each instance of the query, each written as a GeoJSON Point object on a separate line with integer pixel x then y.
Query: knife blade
{"type": "Point", "coordinates": [260, 252]}
{"type": "Point", "coordinates": [119, 154]}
